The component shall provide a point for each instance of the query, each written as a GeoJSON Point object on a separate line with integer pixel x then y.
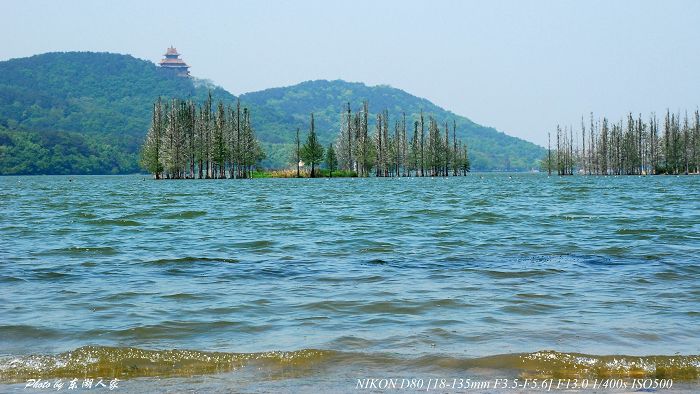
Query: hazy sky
{"type": "Point", "coordinates": [519, 66]}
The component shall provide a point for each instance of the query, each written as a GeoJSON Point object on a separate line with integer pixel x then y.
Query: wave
{"type": "Point", "coordinates": [114, 222]}
{"type": "Point", "coordinates": [190, 260]}
{"type": "Point", "coordinates": [185, 215]}
{"type": "Point", "coordinates": [128, 362]}
{"type": "Point", "coordinates": [80, 251]}
{"type": "Point", "coordinates": [552, 364]}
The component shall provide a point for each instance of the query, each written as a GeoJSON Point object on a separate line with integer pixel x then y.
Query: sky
{"type": "Point", "coordinates": [519, 66]}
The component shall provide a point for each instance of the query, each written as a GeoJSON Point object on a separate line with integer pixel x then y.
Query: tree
{"type": "Point", "coordinates": [696, 142]}
{"type": "Point", "coordinates": [422, 144]}
{"type": "Point", "coordinates": [173, 157]}
{"type": "Point", "coordinates": [446, 150]}
{"type": "Point", "coordinates": [415, 150]}
{"type": "Point", "coordinates": [238, 137]}
{"type": "Point", "coordinates": [455, 152]}
{"type": "Point", "coordinates": [252, 151]}
{"type": "Point", "coordinates": [219, 152]}
{"type": "Point", "coordinates": [379, 163]}
{"type": "Point", "coordinates": [190, 113]}
{"type": "Point", "coordinates": [404, 145]}
{"type": "Point", "coordinates": [549, 154]}
{"type": "Point", "coordinates": [364, 145]}
{"type": "Point", "coordinates": [367, 149]}
{"type": "Point", "coordinates": [207, 134]}
{"type": "Point", "coordinates": [467, 166]}
{"type": "Point", "coordinates": [312, 151]}
{"type": "Point", "coordinates": [200, 138]}
{"type": "Point", "coordinates": [298, 153]}
{"type": "Point", "coordinates": [344, 145]}
{"type": "Point", "coordinates": [331, 160]}
{"type": "Point", "coordinates": [231, 140]}
{"type": "Point", "coordinates": [150, 154]}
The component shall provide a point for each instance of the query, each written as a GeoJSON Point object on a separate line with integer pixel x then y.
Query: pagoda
{"type": "Point", "coordinates": [174, 64]}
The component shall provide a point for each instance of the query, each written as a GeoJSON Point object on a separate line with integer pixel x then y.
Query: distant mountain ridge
{"type": "Point", "coordinates": [86, 112]}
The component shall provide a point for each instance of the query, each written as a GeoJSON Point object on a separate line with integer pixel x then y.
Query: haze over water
{"type": "Point", "coordinates": [346, 277]}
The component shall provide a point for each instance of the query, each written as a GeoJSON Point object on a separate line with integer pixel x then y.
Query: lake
{"type": "Point", "coordinates": [292, 285]}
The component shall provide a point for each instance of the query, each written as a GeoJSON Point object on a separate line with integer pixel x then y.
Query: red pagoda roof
{"type": "Point", "coordinates": [171, 51]}
{"type": "Point", "coordinates": [173, 63]}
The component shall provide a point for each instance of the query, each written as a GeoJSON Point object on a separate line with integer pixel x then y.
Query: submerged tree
{"type": "Point", "coordinates": [331, 160]}
{"type": "Point", "coordinates": [466, 164]}
{"type": "Point", "coordinates": [151, 152]}
{"type": "Point", "coordinates": [312, 151]}
{"type": "Point", "coordinates": [345, 142]}
{"type": "Point", "coordinates": [298, 153]}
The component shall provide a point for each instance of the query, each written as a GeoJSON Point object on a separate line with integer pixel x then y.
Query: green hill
{"type": "Point", "coordinates": [84, 112]}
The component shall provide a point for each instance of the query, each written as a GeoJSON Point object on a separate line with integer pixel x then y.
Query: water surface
{"type": "Point", "coordinates": [296, 284]}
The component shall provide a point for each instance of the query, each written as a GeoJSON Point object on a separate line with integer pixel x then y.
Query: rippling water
{"type": "Point", "coordinates": [297, 284]}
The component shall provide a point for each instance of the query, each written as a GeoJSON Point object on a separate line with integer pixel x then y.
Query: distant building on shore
{"type": "Point", "coordinates": [172, 63]}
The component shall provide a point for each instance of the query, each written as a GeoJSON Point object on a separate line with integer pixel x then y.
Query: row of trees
{"type": "Point", "coordinates": [187, 140]}
{"type": "Point", "coordinates": [390, 153]}
{"type": "Point", "coordinates": [190, 141]}
{"type": "Point", "coordinates": [631, 147]}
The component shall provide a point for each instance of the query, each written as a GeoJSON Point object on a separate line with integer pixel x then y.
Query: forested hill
{"type": "Point", "coordinates": [84, 112]}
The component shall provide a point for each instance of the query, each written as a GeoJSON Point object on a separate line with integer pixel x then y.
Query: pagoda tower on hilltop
{"type": "Point", "coordinates": [174, 64]}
